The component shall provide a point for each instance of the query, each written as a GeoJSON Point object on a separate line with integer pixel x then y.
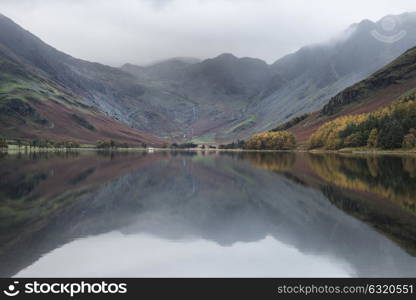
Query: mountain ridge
{"type": "Point", "coordinates": [378, 90]}
{"type": "Point", "coordinates": [36, 102]}
{"type": "Point", "coordinates": [214, 100]}
{"type": "Point", "coordinates": [316, 73]}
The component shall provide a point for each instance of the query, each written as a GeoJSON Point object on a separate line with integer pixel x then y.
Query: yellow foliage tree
{"type": "Point", "coordinates": [327, 136]}
{"type": "Point", "coordinates": [279, 140]}
{"type": "Point", "coordinates": [385, 128]}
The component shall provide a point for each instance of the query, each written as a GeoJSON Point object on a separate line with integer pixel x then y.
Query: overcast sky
{"type": "Point", "coordinates": [141, 31]}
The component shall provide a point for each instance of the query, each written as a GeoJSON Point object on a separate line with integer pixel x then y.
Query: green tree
{"type": "Point", "coordinates": [103, 145]}
{"type": "Point", "coordinates": [391, 135]}
{"type": "Point", "coordinates": [356, 139]}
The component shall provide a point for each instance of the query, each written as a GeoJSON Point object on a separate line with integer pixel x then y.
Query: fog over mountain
{"type": "Point", "coordinates": [143, 31]}
{"type": "Point", "coordinates": [182, 99]}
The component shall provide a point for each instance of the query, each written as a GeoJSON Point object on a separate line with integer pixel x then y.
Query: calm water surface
{"type": "Point", "coordinates": [213, 214]}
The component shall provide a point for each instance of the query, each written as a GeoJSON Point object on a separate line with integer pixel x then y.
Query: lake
{"type": "Point", "coordinates": [213, 214]}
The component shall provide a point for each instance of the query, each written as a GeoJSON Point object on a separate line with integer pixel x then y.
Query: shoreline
{"type": "Point", "coordinates": [152, 150]}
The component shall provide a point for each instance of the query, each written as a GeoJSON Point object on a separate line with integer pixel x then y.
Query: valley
{"type": "Point", "coordinates": [48, 94]}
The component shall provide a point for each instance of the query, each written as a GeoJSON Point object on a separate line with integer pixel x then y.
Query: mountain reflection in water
{"type": "Point", "coordinates": [212, 214]}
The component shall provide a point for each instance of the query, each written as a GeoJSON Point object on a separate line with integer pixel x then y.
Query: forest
{"type": "Point", "coordinates": [279, 140]}
{"type": "Point", "coordinates": [391, 127]}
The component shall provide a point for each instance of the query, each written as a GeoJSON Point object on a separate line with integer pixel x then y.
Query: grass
{"type": "Point", "coordinates": [409, 93]}
{"type": "Point", "coordinates": [242, 126]}
{"type": "Point", "coordinates": [205, 139]}
{"type": "Point", "coordinates": [35, 91]}
{"type": "Point", "coordinates": [82, 121]}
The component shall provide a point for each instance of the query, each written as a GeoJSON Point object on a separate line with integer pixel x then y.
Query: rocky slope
{"type": "Point", "coordinates": [214, 93]}
{"type": "Point", "coordinates": [41, 96]}
{"type": "Point", "coordinates": [378, 90]}
{"type": "Point", "coordinates": [309, 78]}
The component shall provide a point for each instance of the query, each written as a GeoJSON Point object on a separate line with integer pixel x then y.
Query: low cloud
{"type": "Point", "coordinates": [142, 31]}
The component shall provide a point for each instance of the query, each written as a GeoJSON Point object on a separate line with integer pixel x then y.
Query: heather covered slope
{"type": "Point", "coordinates": [34, 104]}
{"type": "Point", "coordinates": [378, 90]}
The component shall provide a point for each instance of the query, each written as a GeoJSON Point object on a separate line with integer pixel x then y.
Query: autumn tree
{"type": "Point", "coordinates": [280, 140]}
{"type": "Point", "coordinates": [384, 128]}
{"type": "Point", "coordinates": [372, 140]}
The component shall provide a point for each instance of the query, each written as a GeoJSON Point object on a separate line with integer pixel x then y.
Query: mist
{"type": "Point", "coordinates": [144, 31]}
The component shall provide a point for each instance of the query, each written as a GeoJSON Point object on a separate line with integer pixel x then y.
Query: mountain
{"type": "Point", "coordinates": [214, 100]}
{"type": "Point", "coordinates": [153, 101]}
{"type": "Point", "coordinates": [307, 79]}
{"type": "Point", "coordinates": [392, 82]}
{"type": "Point", "coordinates": [212, 93]}
{"type": "Point", "coordinates": [47, 94]}
{"type": "Point", "coordinates": [234, 97]}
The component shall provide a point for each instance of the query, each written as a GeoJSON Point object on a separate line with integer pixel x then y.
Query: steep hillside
{"type": "Point", "coordinates": [110, 90]}
{"type": "Point", "coordinates": [307, 79]}
{"type": "Point", "coordinates": [215, 92]}
{"type": "Point", "coordinates": [35, 102]}
{"type": "Point", "coordinates": [378, 90]}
